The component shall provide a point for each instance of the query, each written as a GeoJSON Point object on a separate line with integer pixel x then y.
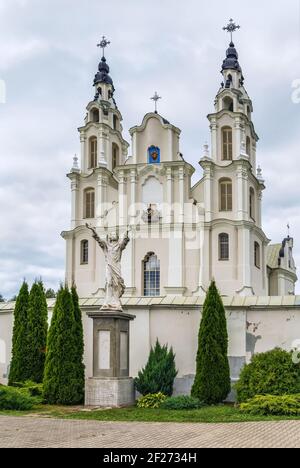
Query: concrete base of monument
{"type": "Point", "coordinates": [110, 392]}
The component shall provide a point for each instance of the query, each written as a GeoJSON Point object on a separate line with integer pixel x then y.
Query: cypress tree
{"type": "Point", "coordinates": [37, 332]}
{"type": "Point", "coordinates": [212, 381]}
{"type": "Point", "coordinates": [60, 378]}
{"type": "Point", "coordinates": [19, 363]}
{"type": "Point", "coordinates": [79, 343]}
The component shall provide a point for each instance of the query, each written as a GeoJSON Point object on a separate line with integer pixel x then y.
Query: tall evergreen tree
{"type": "Point", "coordinates": [19, 363]}
{"type": "Point", "coordinates": [60, 378]}
{"type": "Point", "coordinates": [37, 332]}
{"type": "Point", "coordinates": [2, 298]}
{"type": "Point", "coordinates": [79, 343]}
{"type": "Point", "coordinates": [212, 381]}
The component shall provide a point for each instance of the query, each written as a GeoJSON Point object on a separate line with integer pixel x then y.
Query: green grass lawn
{"type": "Point", "coordinates": [213, 414]}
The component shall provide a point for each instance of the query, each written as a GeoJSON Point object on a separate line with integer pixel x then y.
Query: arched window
{"type": "Point", "coordinates": [115, 122]}
{"type": "Point", "coordinates": [225, 195]}
{"type": "Point", "coordinates": [248, 146]}
{"type": "Point", "coordinates": [89, 204]}
{"type": "Point", "coordinates": [115, 156]}
{"type": "Point", "coordinates": [93, 150]}
{"type": "Point", "coordinates": [257, 254]}
{"type": "Point", "coordinates": [228, 103]}
{"type": "Point", "coordinates": [151, 275]}
{"type": "Point", "coordinates": [84, 252]}
{"type": "Point", "coordinates": [223, 247]}
{"type": "Point", "coordinates": [227, 144]}
{"type": "Point", "coordinates": [252, 204]}
{"type": "Point", "coordinates": [95, 115]}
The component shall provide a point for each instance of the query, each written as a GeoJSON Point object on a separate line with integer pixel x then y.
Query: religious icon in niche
{"type": "Point", "coordinates": [154, 155]}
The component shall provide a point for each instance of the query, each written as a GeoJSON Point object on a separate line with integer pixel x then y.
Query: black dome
{"type": "Point", "coordinates": [232, 59]}
{"type": "Point", "coordinates": [103, 74]}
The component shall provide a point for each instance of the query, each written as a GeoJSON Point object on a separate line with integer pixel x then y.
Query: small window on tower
{"type": "Point", "coordinates": [228, 104]}
{"type": "Point", "coordinates": [252, 204]}
{"type": "Point", "coordinates": [248, 146]}
{"type": "Point", "coordinates": [115, 156]}
{"type": "Point", "coordinates": [115, 121]}
{"type": "Point", "coordinates": [227, 144]}
{"type": "Point", "coordinates": [89, 204]}
{"type": "Point", "coordinates": [225, 195]}
{"type": "Point", "coordinates": [84, 252]}
{"type": "Point", "coordinates": [223, 247]}
{"type": "Point", "coordinates": [93, 149]}
{"type": "Point", "coordinates": [95, 115]}
{"type": "Point", "coordinates": [257, 254]}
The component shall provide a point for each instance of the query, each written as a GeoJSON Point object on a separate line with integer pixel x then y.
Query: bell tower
{"type": "Point", "coordinates": [102, 143]}
{"type": "Point", "coordinates": [233, 186]}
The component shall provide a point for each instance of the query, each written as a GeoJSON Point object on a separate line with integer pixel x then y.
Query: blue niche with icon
{"type": "Point", "coordinates": [153, 155]}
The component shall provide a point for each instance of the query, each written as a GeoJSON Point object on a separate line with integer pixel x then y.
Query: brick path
{"type": "Point", "coordinates": [33, 432]}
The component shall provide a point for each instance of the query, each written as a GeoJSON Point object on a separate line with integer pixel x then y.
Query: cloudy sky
{"type": "Point", "coordinates": [48, 58]}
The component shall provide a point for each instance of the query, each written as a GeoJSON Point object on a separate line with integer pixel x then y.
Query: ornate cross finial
{"type": "Point", "coordinates": [289, 229]}
{"type": "Point", "coordinates": [231, 27]}
{"type": "Point", "coordinates": [156, 98]}
{"type": "Point", "coordinates": [103, 44]}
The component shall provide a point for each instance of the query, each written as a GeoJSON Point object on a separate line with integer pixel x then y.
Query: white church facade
{"type": "Point", "coordinates": [182, 235]}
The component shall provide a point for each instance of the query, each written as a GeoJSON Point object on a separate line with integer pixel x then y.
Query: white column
{"type": "Point", "coordinates": [122, 199]}
{"type": "Point", "coordinates": [259, 206]}
{"type": "Point", "coordinates": [74, 201]}
{"type": "Point", "coordinates": [169, 210]}
{"type": "Point", "coordinates": [134, 148]}
{"type": "Point", "coordinates": [133, 183]}
{"type": "Point", "coordinates": [246, 258]}
{"type": "Point", "coordinates": [214, 139]}
{"type": "Point", "coordinates": [83, 140]}
{"type": "Point", "coordinates": [238, 137]}
{"type": "Point", "coordinates": [181, 174]}
{"type": "Point", "coordinates": [242, 194]}
{"type": "Point", "coordinates": [102, 148]}
{"type": "Point", "coordinates": [101, 198]}
{"type": "Point", "coordinates": [208, 193]}
{"type": "Point", "coordinates": [171, 145]}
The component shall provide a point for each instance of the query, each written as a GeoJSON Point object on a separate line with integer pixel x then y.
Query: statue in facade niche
{"type": "Point", "coordinates": [115, 287]}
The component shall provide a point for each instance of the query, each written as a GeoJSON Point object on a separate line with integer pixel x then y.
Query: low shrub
{"type": "Point", "coordinates": [182, 403]}
{"type": "Point", "coordinates": [151, 401]}
{"type": "Point", "coordinates": [268, 405]}
{"type": "Point", "coordinates": [34, 389]}
{"type": "Point", "coordinates": [159, 373]}
{"type": "Point", "coordinates": [15, 399]}
{"type": "Point", "coordinates": [271, 373]}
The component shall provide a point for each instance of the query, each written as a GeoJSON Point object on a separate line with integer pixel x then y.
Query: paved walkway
{"type": "Point", "coordinates": [54, 433]}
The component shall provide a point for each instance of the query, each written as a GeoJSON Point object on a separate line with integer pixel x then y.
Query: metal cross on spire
{"type": "Point", "coordinates": [231, 27]}
{"type": "Point", "coordinates": [156, 98]}
{"type": "Point", "coordinates": [289, 229]}
{"type": "Point", "coordinates": [103, 44]}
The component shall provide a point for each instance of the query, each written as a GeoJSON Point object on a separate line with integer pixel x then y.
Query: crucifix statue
{"type": "Point", "coordinates": [112, 248]}
{"type": "Point", "coordinates": [231, 27]}
{"type": "Point", "coordinates": [103, 44]}
{"type": "Point", "coordinates": [156, 98]}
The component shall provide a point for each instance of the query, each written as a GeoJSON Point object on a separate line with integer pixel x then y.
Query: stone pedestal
{"type": "Point", "coordinates": [110, 385]}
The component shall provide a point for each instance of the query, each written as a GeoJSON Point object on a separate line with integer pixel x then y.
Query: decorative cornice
{"type": "Point", "coordinates": [152, 115]}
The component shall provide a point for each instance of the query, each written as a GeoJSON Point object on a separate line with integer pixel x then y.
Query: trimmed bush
{"type": "Point", "coordinates": [19, 362]}
{"type": "Point", "coordinates": [271, 373]}
{"type": "Point", "coordinates": [151, 401]}
{"type": "Point", "coordinates": [34, 389]}
{"type": "Point", "coordinates": [212, 382]}
{"type": "Point", "coordinates": [37, 332]}
{"type": "Point", "coordinates": [79, 348]}
{"type": "Point", "coordinates": [271, 405]}
{"type": "Point", "coordinates": [159, 374]}
{"type": "Point", "coordinates": [182, 403]}
{"type": "Point", "coordinates": [61, 376]}
{"type": "Point", "coordinates": [15, 399]}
